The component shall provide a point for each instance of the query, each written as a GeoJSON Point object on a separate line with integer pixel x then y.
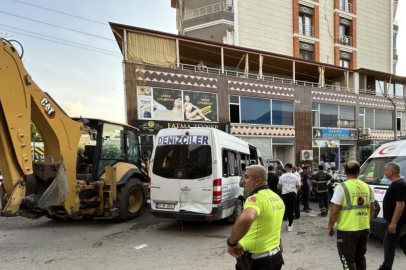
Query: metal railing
{"type": "Point", "coordinates": [265, 78]}
{"type": "Point", "coordinates": [211, 9]}
{"type": "Point", "coordinates": [345, 40]}
{"type": "Point", "coordinates": [306, 30]}
{"type": "Point", "coordinates": [346, 6]}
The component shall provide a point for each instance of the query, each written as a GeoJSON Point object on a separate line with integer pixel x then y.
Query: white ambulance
{"type": "Point", "coordinates": [372, 174]}
{"type": "Point", "coordinates": [195, 174]}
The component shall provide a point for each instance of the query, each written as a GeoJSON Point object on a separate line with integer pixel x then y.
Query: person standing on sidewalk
{"type": "Point", "coordinates": [306, 189]}
{"type": "Point", "coordinates": [299, 193]}
{"type": "Point", "coordinates": [289, 184]}
{"type": "Point", "coordinates": [353, 208]}
{"type": "Point", "coordinates": [273, 179]}
{"type": "Point", "coordinates": [320, 180]}
{"type": "Point", "coordinates": [394, 213]}
{"type": "Point", "coordinates": [257, 230]}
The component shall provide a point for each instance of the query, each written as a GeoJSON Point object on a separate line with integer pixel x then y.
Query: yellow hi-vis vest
{"type": "Point", "coordinates": [354, 214]}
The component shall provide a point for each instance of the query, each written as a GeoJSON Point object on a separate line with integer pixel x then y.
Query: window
{"type": "Point", "coordinates": [402, 116]}
{"type": "Point", "coordinates": [112, 149]}
{"type": "Point", "coordinates": [391, 89]}
{"type": "Point", "coordinates": [132, 147]}
{"type": "Point", "coordinates": [231, 163]}
{"type": "Point", "coordinates": [328, 115]}
{"type": "Point", "coordinates": [306, 55]}
{"type": "Point", "coordinates": [258, 111]}
{"type": "Point", "coordinates": [282, 113]}
{"type": "Point", "coordinates": [344, 32]}
{"type": "Point", "coordinates": [379, 86]}
{"type": "Point", "coordinates": [383, 120]}
{"type": "Point", "coordinates": [369, 118]}
{"type": "Point", "coordinates": [193, 160]}
{"type": "Point", "coordinates": [347, 117]}
{"type": "Point", "coordinates": [305, 25]}
{"type": "Point", "coordinates": [345, 5]}
{"type": "Point", "coordinates": [399, 90]}
{"type": "Point", "coordinates": [315, 115]}
{"type": "Point", "coordinates": [255, 111]}
{"type": "Point", "coordinates": [344, 63]}
{"type": "Point", "coordinates": [234, 109]}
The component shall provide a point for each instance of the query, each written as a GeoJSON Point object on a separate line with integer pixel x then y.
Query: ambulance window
{"type": "Point", "coordinates": [372, 171]}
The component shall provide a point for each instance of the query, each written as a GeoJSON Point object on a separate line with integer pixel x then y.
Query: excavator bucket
{"type": "Point", "coordinates": [57, 191]}
{"type": "Point", "coordinates": [52, 185]}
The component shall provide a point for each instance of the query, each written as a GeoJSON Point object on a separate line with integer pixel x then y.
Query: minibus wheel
{"type": "Point", "coordinates": [237, 211]}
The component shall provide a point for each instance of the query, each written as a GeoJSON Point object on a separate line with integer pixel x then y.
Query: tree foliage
{"type": "Point", "coordinates": [35, 136]}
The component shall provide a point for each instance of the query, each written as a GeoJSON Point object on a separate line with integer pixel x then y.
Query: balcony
{"type": "Point", "coordinates": [306, 30]}
{"type": "Point", "coordinates": [345, 6]}
{"type": "Point", "coordinates": [208, 10]}
{"type": "Point", "coordinates": [345, 40]}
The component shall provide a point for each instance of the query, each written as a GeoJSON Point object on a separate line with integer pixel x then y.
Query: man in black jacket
{"type": "Point", "coordinates": [320, 180]}
{"type": "Point", "coordinates": [273, 180]}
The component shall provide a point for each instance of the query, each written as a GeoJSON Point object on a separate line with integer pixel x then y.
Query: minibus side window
{"type": "Point", "coordinates": [230, 159]}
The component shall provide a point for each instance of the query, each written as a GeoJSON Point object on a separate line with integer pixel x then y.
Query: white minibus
{"type": "Point", "coordinates": [195, 174]}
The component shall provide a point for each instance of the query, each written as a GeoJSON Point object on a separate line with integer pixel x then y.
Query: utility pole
{"type": "Point", "coordinates": [394, 115]}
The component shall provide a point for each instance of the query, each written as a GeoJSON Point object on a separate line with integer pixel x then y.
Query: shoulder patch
{"type": "Point", "coordinates": [252, 199]}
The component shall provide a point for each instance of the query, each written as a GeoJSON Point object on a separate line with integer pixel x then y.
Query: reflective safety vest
{"type": "Point", "coordinates": [354, 214]}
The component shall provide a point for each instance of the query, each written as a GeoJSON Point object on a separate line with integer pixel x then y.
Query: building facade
{"type": "Point", "coordinates": [174, 81]}
{"type": "Point", "coordinates": [348, 33]}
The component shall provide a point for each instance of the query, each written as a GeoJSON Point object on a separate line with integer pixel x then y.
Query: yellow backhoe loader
{"type": "Point", "coordinates": [91, 167]}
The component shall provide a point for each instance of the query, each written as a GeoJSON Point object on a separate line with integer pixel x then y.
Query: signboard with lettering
{"type": "Point", "coordinates": [152, 127]}
{"type": "Point", "coordinates": [183, 140]}
{"type": "Point", "coordinates": [335, 133]}
{"type": "Point", "coordinates": [176, 105]}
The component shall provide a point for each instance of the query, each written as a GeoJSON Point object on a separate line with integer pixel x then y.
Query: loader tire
{"type": "Point", "coordinates": [130, 199]}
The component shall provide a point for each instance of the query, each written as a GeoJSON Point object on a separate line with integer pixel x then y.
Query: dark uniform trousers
{"type": "Point", "coordinates": [322, 197]}
{"type": "Point", "coordinates": [352, 247]}
{"type": "Point", "coordinates": [268, 263]}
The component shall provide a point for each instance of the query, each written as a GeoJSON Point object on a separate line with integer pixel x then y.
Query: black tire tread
{"type": "Point", "coordinates": [121, 199]}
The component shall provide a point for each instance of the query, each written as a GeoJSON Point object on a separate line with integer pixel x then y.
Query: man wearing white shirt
{"type": "Point", "coordinates": [289, 183]}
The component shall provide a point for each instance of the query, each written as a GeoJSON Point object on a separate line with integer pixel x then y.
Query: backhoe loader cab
{"type": "Point", "coordinates": [88, 168]}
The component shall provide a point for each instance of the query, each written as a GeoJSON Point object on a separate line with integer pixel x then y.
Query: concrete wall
{"type": "Point", "coordinates": [326, 31]}
{"type": "Point", "coordinates": [266, 25]}
{"type": "Point", "coordinates": [374, 35]}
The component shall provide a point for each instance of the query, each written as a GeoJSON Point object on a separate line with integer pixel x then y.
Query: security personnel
{"type": "Point", "coordinates": [320, 181]}
{"type": "Point", "coordinates": [257, 230]}
{"type": "Point", "coordinates": [353, 209]}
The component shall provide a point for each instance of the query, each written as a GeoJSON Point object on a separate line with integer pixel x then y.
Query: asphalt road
{"type": "Point", "coordinates": [151, 243]}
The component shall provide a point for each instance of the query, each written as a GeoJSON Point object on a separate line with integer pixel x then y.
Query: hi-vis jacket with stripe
{"type": "Point", "coordinates": [354, 214]}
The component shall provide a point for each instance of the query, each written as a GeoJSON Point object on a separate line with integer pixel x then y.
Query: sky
{"type": "Point", "coordinates": [88, 83]}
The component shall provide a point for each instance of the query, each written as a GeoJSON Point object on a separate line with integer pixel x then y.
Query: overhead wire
{"type": "Point", "coordinates": [65, 44]}
{"type": "Point", "coordinates": [57, 26]}
{"type": "Point", "coordinates": [60, 12]}
{"type": "Point", "coordinates": [64, 40]}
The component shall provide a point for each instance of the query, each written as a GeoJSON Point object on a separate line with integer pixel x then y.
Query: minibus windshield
{"type": "Point", "coordinates": [372, 171]}
{"type": "Point", "coordinates": [183, 161]}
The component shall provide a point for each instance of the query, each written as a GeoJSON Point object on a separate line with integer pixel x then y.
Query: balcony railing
{"type": "Point", "coordinates": [345, 6]}
{"type": "Point", "coordinates": [207, 10]}
{"type": "Point", "coordinates": [306, 30]}
{"type": "Point", "coordinates": [265, 78]}
{"type": "Point", "coordinates": [345, 40]}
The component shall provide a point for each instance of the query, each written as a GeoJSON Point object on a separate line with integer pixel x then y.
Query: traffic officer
{"type": "Point", "coordinates": [256, 233]}
{"type": "Point", "coordinates": [353, 209]}
{"type": "Point", "coordinates": [320, 181]}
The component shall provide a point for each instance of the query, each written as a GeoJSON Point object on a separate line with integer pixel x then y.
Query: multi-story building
{"type": "Point", "coordinates": [293, 109]}
{"type": "Point", "coordinates": [348, 33]}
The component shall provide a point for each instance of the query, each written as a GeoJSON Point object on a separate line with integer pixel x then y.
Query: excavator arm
{"type": "Point", "coordinates": [36, 186]}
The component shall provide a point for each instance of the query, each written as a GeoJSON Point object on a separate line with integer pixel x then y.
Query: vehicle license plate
{"type": "Point", "coordinates": [165, 206]}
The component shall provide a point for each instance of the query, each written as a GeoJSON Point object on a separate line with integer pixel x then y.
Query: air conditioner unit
{"type": "Point", "coordinates": [306, 155]}
{"type": "Point", "coordinates": [344, 39]}
{"type": "Point", "coordinates": [367, 131]}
